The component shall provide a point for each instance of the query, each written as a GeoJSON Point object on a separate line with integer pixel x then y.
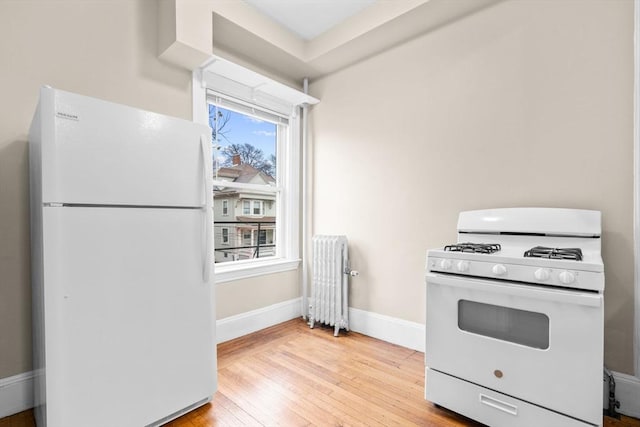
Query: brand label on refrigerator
{"type": "Point", "coordinates": [67, 116]}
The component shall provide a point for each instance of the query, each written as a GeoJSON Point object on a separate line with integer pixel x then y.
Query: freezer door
{"type": "Point", "coordinates": [129, 319]}
{"type": "Point", "coordinates": [98, 152]}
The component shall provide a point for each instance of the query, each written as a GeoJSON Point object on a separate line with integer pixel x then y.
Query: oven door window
{"type": "Point", "coordinates": [504, 323]}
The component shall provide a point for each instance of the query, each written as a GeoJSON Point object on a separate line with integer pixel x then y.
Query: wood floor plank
{"type": "Point", "coordinates": [307, 383]}
{"type": "Point", "coordinates": [246, 397]}
{"type": "Point", "coordinates": [322, 402]}
{"type": "Point", "coordinates": [221, 401]}
{"type": "Point", "coordinates": [362, 400]}
{"type": "Point", "coordinates": [387, 392]}
{"type": "Point", "coordinates": [277, 384]}
{"type": "Point", "coordinates": [292, 375]}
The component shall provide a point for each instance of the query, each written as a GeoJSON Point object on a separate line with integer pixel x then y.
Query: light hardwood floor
{"type": "Point", "coordinates": [292, 375]}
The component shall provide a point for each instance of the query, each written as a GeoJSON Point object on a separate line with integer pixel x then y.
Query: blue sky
{"type": "Point", "coordinates": [242, 129]}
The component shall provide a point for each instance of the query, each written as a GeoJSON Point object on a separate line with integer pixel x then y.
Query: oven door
{"type": "Point", "coordinates": [541, 345]}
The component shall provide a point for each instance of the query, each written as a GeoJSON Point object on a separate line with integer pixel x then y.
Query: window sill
{"type": "Point", "coordinates": [242, 270]}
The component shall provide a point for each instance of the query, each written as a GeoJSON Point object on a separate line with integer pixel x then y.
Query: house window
{"type": "Point", "coordinates": [257, 207]}
{"type": "Point", "coordinates": [253, 129]}
{"type": "Point", "coordinates": [225, 208]}
{"type": "Point", "coordinates": [225, 236]}
{"type": "Point", "coordinates": [254, 207]}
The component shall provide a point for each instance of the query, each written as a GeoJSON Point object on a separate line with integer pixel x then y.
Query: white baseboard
{"type": "Point", "coordinates": [16, 393]}
{"type": "Point", "coordinates": [386, 328]}
{"type": "Point", "coordinates": [255, 320]}
{"type": "Point", "coordinates": [628, 393]}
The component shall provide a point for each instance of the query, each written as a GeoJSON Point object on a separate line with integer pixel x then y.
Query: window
{"type": "Point", "coordinates": [257, 207]}
{"type": "Point", "coordinates": [225, 237]}
{"type": "Point", "coordinates": [266, 205]}
{"type": "Point", "coordinates": [245, 167]}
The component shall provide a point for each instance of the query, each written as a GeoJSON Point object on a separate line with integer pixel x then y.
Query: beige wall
{"type": "Point", "coordinates": [101, 48]}
{"type": "Point", "coordinates": [527, 103]}
{"type": "Point", "coordinates": [256, 292]}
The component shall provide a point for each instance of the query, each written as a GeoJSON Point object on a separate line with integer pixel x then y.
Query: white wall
{"type": "Point", "coordinates": [526, 103]}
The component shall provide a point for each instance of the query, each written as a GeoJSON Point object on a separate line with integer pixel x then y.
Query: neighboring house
{"type": "Point", "coordinates": [244, 220]}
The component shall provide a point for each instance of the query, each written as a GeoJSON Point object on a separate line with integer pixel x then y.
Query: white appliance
{"type": "Point", "coordinates": [121, 203]}
{"type": "Point", "coordinates": [514, 329]}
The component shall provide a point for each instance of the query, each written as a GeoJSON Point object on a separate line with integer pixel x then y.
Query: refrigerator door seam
{"type": "Point", "coordinates": [208, 205]}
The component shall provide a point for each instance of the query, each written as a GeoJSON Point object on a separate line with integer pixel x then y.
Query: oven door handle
{"type": "Point", "coordinates": [590, 299]}
{"type": "Point", "coordinates": [498, 404]}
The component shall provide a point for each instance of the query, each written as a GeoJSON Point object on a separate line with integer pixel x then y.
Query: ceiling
{"type": "Point", "coordinates": [293, 39]}
{"type": "Point", "coordinates": [309, 18]}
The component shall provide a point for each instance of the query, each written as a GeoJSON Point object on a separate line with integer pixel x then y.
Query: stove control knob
{"type": "Point", "coordinates": [499, 270]}
{"type": "Point", "coordinates": [567, 277]}
{"type": "Point", "coordinates": [462, 266]}
{"type": "Point", "coordinates": [541, 274]}
{"type": "Point", "coordinates": [445, 264]}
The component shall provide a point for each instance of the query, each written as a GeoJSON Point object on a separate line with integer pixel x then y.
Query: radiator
{"type": "Point", "coordinates": [329, 300]}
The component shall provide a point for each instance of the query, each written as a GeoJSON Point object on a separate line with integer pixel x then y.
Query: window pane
{"type": "Point", "coordinates": [244, 146]}
{"type": "Point", "coordinates": [257, 207]}
{"type": "Point", "coordinates": [247, 237]}
{"type": "Point", "coordinates": [504, 323]}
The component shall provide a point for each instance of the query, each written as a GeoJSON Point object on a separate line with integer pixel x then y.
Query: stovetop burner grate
{"type": "Point", "coordinates": [554, 253]}
{"type": "Point", "coordinates": [483, 248]}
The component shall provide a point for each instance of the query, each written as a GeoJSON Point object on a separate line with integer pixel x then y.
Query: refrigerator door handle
{"type": "Point", "coordinates": [208, 205]}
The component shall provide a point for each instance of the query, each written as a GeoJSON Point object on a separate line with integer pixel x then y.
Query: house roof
{"type": "Point", "coordinates": [244, 173]}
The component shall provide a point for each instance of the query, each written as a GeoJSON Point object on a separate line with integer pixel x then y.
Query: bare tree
{"type": "Point", "coordinates": [272, 160]}
{"type": "Point", "coordinates": [219, 123]}
{"type": "Point", "coordinates": [249, 155]}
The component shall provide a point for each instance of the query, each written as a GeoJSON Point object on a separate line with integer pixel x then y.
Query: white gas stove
{"type": "Point", "coordinates": [514, 331]}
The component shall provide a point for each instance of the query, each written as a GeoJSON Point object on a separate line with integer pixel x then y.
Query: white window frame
{"type": "Point", "coordinates": [246, 207]}
{"type": "Point", "coordinates": [287, 186]}
{"type": "Point", "coordinates": [222, 240]}
{"type": "Point", "coordinates": [225, 207]}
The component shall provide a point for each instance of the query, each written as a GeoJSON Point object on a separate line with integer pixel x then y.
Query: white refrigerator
{"type": "Point", "coordinates": [123, 303]}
